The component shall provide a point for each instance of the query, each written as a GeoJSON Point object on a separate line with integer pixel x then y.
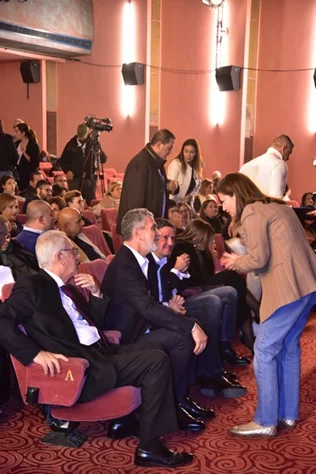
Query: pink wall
{"type": "Point", "coordinates": [188, 36]}
{"type": "Point", "coordinates": [284, 99]}
{"type": "Point", "coordinates": [14, 103]}
{"type": "Point", "coordinates": [84, 89]}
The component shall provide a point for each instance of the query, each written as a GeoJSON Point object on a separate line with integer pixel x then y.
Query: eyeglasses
{"type": "Point", "coordinates": [165, 238]}
{"type": "Point", "coordinates": [75, 250]}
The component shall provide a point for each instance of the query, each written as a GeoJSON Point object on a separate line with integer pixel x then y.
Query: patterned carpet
{"type": "Point", "coordinates": [21, 428]}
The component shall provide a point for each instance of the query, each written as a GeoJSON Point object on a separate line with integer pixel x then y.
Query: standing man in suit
{"type": "Point", "coordinates": [145, 184]}
{"type": "Point", "coordinates": [60, 324]}
{"type": "Point", "coordinates": [269, 171]}
{"type": "Point", "coordinates": [278, 251]}
{"type": "Point", "coordinates": [133, 311]}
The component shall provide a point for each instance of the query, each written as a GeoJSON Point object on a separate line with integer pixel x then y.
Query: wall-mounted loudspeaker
{"type": "Point", "coordinates": [30, 71]}
{"type": "Point", "coordinates": [315, 77]}
{"type": "Point", "coordinates": [133, 74]}
{"type": "Point", "coordinates": [228, 78]}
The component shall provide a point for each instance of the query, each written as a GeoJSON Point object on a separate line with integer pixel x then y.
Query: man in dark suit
{"type": "Point", "coordinates": [60, 324]}
{"type": "Point", "coordinates": [145, 184]}
{"type": "Point", "coordinates": [139, 317]}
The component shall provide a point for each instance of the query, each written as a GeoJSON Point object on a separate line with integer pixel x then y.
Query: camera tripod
{"type": "Point", "coordinates": [93, 164]}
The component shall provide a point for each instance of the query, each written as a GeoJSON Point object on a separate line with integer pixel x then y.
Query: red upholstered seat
{"type": "Point", "coordinates": [97, 268]}
{"type": "Point", "coordinates": [219, 244]}
{"type": "Point", "coordinates": [94, 202]}
{"type": "Point", "coordinates": [62, 391]}
{"type": "Point", "coordinates": [108, 217]}
{"type": "Point", "coordinates": [109, 259]}
{"type": "Point", "coordinates": [21, 218]}
{"type": "Point", "coordinates": [109, 172]}
{"type": "Point", "coordinates": [94, 233]}
{"type": "Point", "coordinates": [292, 203]}
{"type": "Point", "coordinates": [117, 239]}
{"type": "Point", "coordinates": [88, 214]}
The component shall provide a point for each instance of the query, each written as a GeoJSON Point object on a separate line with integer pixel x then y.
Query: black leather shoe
{"type": "Point", "coordinates": [188, 422]}
{"type": "Point", "coordinates": [229, 355]}
{"type": "Point", "coordinates": [221, 387]}
{"type": "Point", "coordinates": [119, 429]}
{"type": "Point", "coordinates": [161, 457]}
{"type": "Point", "coordinates": [231, 376]}
{"type": "Point", "coordinates": [195, 410]}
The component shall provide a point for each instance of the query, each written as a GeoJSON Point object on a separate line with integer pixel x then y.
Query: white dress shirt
{"type": "Point", "coordinates": [268, 172]}
{"type": "Point", "coordinates": [87, 334]}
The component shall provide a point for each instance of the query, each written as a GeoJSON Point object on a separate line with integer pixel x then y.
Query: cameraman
{"type": "Point", "coordinates": [79, 162]}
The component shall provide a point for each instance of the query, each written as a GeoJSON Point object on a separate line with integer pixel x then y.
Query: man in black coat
{"type": "Point", "coordinates": [79, 163]}
{"type": "Point", "coordinates": [60, 324]}
{"type": "Point", "coordinates": [133, 311]}
{"type": "Point", "coordinates": [8, 154]}
{"type": "Point", "coordinates": [145, 184]}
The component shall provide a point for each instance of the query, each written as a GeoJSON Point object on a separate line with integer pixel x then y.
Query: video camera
{"type": "Point", "coordinates": [98, 124]}
{"type": "Point", "coordinates": [314, 198]}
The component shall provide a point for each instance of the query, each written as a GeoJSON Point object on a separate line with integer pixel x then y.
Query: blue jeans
{"type": "Point", "coordinates": [277, 362]}
{"type": "Point", "coordinates": [216, 312]}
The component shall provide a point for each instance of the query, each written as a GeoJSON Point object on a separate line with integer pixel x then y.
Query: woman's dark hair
{"type": "Point", "coordinates": [198, 233]}
{"type": "Point", "coordinates": [204, 206]}
{"type": "Point", "coordinates": [3, 180]}
{"type": "Point", "coordinates": [197, 161]}
{"type": "Point", "coordinates": [303, 199]}
{"type": "Point", "coordinates": [59, 201]}
{"type": "Point", "coordinates": [24, 128]}
{"type": "Point", "coordinates": [245, 191]}
{"type": "Point", "coordinates": [58, 190]}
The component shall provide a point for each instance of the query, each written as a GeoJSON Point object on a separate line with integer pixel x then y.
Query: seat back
{"type": "Point", "coordinates": [97, 268]}
{"type": "Point", "coordinates": [88, 214]}
{"type": "Point", "coordinates": [292, 203]}
{"type": "Point", "coordinates": [219, 244]}
{"type": "Point", "coordinates": [117, 239]}
{"type": "Point", "coordinates": [108, 217]}
{"type": "Point", "coordinates": [94, 233]}
{"type": "Point", "coordinates": [21, 218]}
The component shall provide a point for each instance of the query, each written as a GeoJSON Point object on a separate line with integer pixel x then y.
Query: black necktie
{"type": "Point", "coordinates": [76, 300]}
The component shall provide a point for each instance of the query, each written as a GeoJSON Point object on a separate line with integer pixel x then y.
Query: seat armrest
{"type": "Point", "coordinates": [63, 389]}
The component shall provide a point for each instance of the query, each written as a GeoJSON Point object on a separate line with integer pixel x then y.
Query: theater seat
{"type": "Point", "coordinates": [117, 239]}
{"type": "Point", "coordinates": [94, 233]}
{"type": "Point", "coordinates": [58, 396]}
{"type": "Point", "coordinates": [108, 217]}
{"type": "Point", "coordinates": [96, 268]}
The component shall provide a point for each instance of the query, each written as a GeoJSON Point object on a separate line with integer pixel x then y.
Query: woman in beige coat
{"type": "Point", "coordinates": [278, 252]}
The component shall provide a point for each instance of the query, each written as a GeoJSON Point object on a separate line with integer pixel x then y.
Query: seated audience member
{"type": "Point", "coordinates": [110, 200]}
{"type": "Point", "coordinates": [206, 188]}
{"type": "Point", "coordinates": [57, 203]}
{"type": "Point", "coordinates": [209, 213]}
{"type": "Point", "coordinates": [61, 180]}
{"type": "Point", "coordinates": [45, 156]}
{"type": "Point", "coordinates": [174, 216]}
{"type": "Point", "coordinates": [186, 214]}
{"type": "Point", "coordinates": [196, 241]}
{"type": "Point", "coordinates": [49, 340]}
{"type": "Point", "coordinates": [307, 200]}
{"type": "Point", "coordinates": [8, 185]}
{"type": "Point", "coordinates": [8, 154]}
{"type": "Point", "coordinates": [9, 208]}
{"type": "Point", "coordinates": [58, 190]}
{"type": "Point", "coordinates": [216, 177]}
{"type": "Point", "coordinates": [39, 219]}
{"type": "Point", "coordinates": [70, 221]}
{"type": "Point", "coordinates": [43, 192]}
{"type": "Point", "coordinates": [14, 255]}
{"type": "Point", "coordinates": [214, 309]}
{"type": "Point", "coordinates": [30, 191]}
{"type": "Point", "coordinates": [140, 318]}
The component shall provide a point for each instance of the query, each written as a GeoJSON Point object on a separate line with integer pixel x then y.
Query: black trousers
{"type": "Point", "coordinates": [148, 367]}
{"type": "Point", "coordinates": [86, 187]}
{"type": "Point", "coordinates": [180, 351]}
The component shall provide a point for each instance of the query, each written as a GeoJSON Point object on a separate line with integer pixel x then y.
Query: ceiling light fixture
{"type": "Point", "coordinates": [213, 3]}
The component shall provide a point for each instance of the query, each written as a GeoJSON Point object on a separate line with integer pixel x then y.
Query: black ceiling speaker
{"type": "Point", "coordinates": [133, 74]}
{"type": "Point", "coordinates": [315, 77]}
{"type": "Point", "coordinates": [228, 78]}
{"type": "Point", "coordinates": [30, 71]}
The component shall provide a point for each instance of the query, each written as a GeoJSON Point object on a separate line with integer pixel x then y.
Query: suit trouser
{"type": "Point", "coordinates": [148, 367]}
{"type": "Point", "coordinates": [86, 187]}
{"type": "Point", "coordinates": [180, 351]}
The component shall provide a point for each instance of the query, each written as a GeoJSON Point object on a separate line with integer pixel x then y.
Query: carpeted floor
{"type": "Point", "coordinates": [216, 451]}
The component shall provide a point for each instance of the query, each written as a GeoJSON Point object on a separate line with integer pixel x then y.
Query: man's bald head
{"type": "Point", "coordinates": [39, 215]}
{"type": "Point", "coordinates": [69, 221]}
{"type": "Point", "coordinates": [284, 145]}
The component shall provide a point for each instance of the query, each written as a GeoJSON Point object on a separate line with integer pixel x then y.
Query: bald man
{"type": "Point", "coordinates": [70, 222]}
{"type": "Point", "coordinates": [39, 219]}
{"type": "Point", "coordinates": [269, 171]}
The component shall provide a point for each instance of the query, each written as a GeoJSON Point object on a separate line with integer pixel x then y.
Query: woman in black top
{"type": "Point", "coordinates": [29, 153]}
{"type": "Point", "coordinates": [209, 213]}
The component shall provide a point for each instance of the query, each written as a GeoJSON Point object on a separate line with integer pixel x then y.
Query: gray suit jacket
{"type": "Point", "coordinates": [278, 251]}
